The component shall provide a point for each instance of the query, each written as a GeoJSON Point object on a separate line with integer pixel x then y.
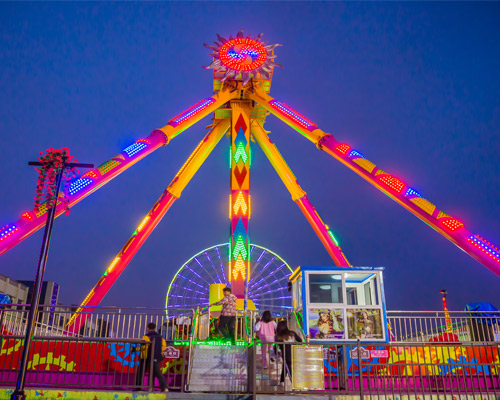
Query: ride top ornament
{"type": "Point", "coordinates": [52, 162]}
{"type": "Point", "coordinates": [242, 57]}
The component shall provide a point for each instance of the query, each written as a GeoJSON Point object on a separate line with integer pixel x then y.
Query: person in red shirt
{"type": "Point", "coordinates": [227, 319]}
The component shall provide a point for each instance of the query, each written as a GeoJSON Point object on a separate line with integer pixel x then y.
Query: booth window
{"type": "Point", "coordinates": [368, 294]}
{"type": "Point", "coordinates": [375, 285]}
{"type": "Point", "coordinates": [325, 288]}
{"type": "Point", "coordinates": [361, 289]}
{"type": "Point", "coordinates": [352, 296]}
{"type": "Point", "coordinates": [297, 293]}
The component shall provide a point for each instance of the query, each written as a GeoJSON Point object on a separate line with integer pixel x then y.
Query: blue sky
{"type": "Point", "coordinates": [413, 86]}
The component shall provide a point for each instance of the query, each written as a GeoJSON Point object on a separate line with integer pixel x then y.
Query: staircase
{"type": "Point", "coordinates": [268, 380]}
{"type": "Point", "coordinates": [218, 369]}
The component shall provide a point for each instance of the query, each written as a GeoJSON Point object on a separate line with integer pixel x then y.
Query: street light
{"type": "Point", "coordinates": [19, 393]}
{"type": "Point", "coordinates": [445, 308]}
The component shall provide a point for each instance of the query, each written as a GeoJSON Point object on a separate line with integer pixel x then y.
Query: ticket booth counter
{"type": "Point", "coordinates": [340, 304]}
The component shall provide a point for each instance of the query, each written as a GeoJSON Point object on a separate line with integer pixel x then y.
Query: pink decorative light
{"type": "Point", "coordinates": [242, 54]}
{"type": "Point", "coordinates": [27, 216]}
{"type": "Point", "coordinates": [452, 224]}
{"type": "Point", "coordinates": [242, 58]}
{"type": "Point", "coordinates": [343, 148]}
{"type": "Point", "coordinates": [392, 182]}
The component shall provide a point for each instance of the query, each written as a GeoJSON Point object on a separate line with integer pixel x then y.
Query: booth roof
{"type": "Point", "coordinates": [301, 268]}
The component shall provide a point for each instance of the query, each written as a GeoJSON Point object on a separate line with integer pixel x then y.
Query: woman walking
{"type": "Point", "coordinates": [266, 330]}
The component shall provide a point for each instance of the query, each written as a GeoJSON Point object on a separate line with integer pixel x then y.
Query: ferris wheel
{"type": "Point", "coordinates": [267, 287]}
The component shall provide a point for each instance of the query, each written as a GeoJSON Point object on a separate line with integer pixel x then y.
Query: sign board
{"type": "Point", "coordinates": [171, 352]}
{"type": "Point", "coordinates": [330, 353]}
{"type": "Point", "coordinates": [379, 354]}
{"type": "Point", "coordinates": [363, 353]}
{"type": "Point", "coordinates": [307, 367]}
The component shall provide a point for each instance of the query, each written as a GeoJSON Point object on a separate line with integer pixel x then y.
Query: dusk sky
{"type": "Point", "coordinates": [415, 87]}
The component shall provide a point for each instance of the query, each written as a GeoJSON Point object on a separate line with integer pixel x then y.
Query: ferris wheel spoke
{"type": "Point", "coordinates": [214, 269]}
{"type": "Point", "coordinates": [259, 289]}
{"type": "Point", "coordinates": [261, 271]}
{"type": "Point", "coordinates": [221, 263]}
{"type": "Point", "coordinates": [215, 273]}
{"type": "Point", "coordinates": [191, 281]}
{"type": "Point", "coordinates": [266, 265]}
{"type": "Point", "coordinates": [198, 275]}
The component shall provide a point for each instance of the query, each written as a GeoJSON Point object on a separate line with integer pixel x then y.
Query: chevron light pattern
{"type": "Point", "coordinates": [240, 198]}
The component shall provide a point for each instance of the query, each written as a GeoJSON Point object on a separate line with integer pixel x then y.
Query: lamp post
{"type": "Point", "coordinates": [18, 393]}
{"type": "Point", "coordinates": [445, 308]}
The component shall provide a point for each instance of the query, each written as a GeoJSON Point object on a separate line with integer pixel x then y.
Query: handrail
{"type": "Point", "coordinates": [77, 339]}
{"type": "Point", "coordinates": [179, 308]}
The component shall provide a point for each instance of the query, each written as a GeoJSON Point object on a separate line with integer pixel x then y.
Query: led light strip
{"type": "Point", "coordinates": [191, 112]}
{"type": "Point", "coordinates": [343, 148]}
{"type": "Point", "coordinates": [112, 265]}
{"type": "Point", "coordinates": [355, 154]}
{"type": "Point", "coordinates": [7, 231]}
{"type": "Point", "coordinates": [144, 222]}
{"type": "Point", "coordinates": [452, 224]}
{"type": "Point", "coordinates": [412, 192]}
{"type": "Point", "coordinates": [392, 182]}
{"type": "Point", "coordinates": [478, 243]}
{"type": "Point", "coordinates": [292, 114]}
{"type": "Point", "coordinates": [27, 215]}
{"type": "Point", "coordinates": [135, 148]}
{"type": "Point", "coordinates": [108, 166]}
{"type": "Point", "coordinates": [79, 184]}
{"type": "Point", "coordinates": [398, 186]}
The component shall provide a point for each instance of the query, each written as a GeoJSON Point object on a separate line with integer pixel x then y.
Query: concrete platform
{"type": "Point", "coordinates": [54, 394]}
{"type": "Point", "coordinates": [61, 394]}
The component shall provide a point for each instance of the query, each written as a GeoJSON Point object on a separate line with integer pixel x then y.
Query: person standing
{"type": "Point", "coordinates": [157, 353]}
{"type": "Point", "coordinates": [266, 330]}
{"type": "Point", "coordinates": [227, 319]}
{"type": "Point", "coordinates": [286, 337]}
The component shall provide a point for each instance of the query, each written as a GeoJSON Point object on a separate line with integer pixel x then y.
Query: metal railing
{"type": "Point", "coordinates": [391, 369]}
{"type": "Point", "coordinates": [75, 363]}
{"type": "Point", "coordinates": [388, 370]}
{"type": "Point", "coordinates": [177, 324]}
{"type": "Point", "coordinates": [82, 363]}
{"type": "Point", "coordinates": [104, 322]}
{"type": "Point", "coordinates": [454, 326]}
{"type": "Point", "coordinates": [244, 325]}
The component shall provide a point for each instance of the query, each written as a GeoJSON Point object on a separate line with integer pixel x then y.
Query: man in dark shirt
{"type": "Point", "coordinates": [157, 353]}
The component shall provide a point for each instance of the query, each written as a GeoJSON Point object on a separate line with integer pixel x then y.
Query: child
{"type": "Point", "coordinates": [266, 330]}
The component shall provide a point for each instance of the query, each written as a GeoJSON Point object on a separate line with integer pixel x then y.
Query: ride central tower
{"type": "Point", "coordinates": [240, 62]}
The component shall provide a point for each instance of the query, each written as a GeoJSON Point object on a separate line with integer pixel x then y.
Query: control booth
{"type": "Point", "coordinates": [340, 304]}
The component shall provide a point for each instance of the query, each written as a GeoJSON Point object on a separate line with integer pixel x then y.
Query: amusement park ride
{"type": "Point", "coordinates": [242, 74]}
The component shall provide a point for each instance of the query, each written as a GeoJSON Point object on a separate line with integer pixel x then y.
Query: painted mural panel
{"type": "Point", "coordinates": [326, 323]}
{"type": "Point", "coordinates": [364, 324]}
